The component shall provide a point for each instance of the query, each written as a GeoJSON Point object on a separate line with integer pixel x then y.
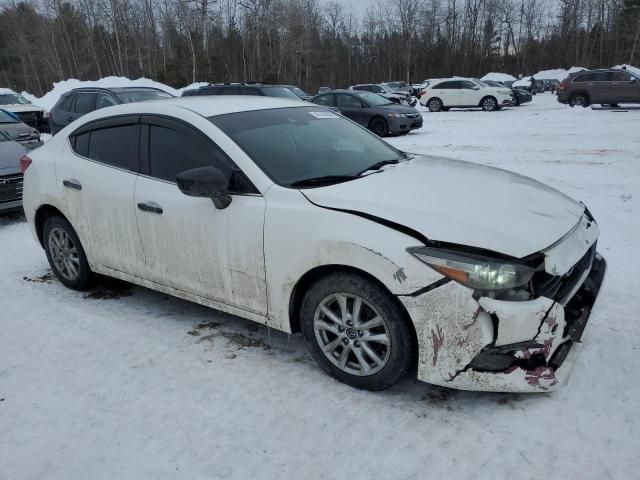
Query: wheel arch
{"type": "Point", "coordinates": [311, 276]}
{"type": "Point", "coordinates": [43, 213]}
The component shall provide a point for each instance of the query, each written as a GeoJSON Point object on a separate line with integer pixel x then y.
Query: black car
{"type": "Point", "coordinates": [519, 94]}
{"type": "Point", "coordinates": [10, 174]}
{"type": "Point", "coordinates": [259, 89]}
{"type": "Point", "coordinates": [373, 111]}
{"type": "Point", "coordinates": [18, 131]}
{"type": "Point", "coordinates": [80, 101]}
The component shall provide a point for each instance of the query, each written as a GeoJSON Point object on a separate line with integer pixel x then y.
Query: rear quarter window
{"type": "Point", "coordinates": [115, 146]}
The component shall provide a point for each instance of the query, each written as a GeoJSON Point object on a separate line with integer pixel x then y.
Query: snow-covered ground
{"type": "Point", "coordinates": [122, 382]}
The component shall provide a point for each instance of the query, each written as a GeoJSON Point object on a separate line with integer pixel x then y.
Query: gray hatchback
{"type": "Point", "coordinates": [607, 87]}
{"type": "Point", "coordinates": [372, 111]}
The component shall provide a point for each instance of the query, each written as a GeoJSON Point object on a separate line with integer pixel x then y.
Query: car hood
{"type": "Point", "coordinates": [18, 131]}
{"type": "Point", "coordinates": [397, 108]}
{"type": "Point", "coordinates": [15, 108]}
{"type": "Point", "coordinates": [459, 202]}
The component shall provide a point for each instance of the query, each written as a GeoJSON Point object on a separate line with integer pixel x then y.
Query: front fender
{"type": "Point", "coordinates": [300, 237]}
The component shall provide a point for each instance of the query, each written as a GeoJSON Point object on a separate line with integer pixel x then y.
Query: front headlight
{"type": "Point", "coordinates": [397, 115]}
{"type": "Point", "coordinates": [474, 271]}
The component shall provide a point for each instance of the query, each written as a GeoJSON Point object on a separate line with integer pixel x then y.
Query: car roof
{"type": "Point", "coordinates": [112, 89]}
{"type": "Point", "coordinates": [210, 106]}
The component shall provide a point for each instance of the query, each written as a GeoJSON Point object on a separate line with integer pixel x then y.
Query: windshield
{"type": "Point", "coordinates": [141, 95]}
{"type": "Point", "coordinates": [7, 118]}
{"type": "Point", "coordinates": [374, 99]}
{"type": "Point", "coordinates": [295, 144]}
{"type": "Point", "coordinates": [13, 99]}
{"type": "Point", "coordinates": [280, 92]}
{"type": "Point", "coordinates": [298, 92]}
{"type": "Point", "coordinates": [386, 88]}
{"type": "Point", "coordinates": [481, 83]}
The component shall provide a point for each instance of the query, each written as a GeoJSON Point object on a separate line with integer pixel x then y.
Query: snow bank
{"type": "Point", "coordinates": [523, 82]}
{"type": "Point", "coordinates": [631, 68]}
{"type": "Point", "coordinates": [556, 74]}
{"type": "Point", "coordinates": [59, 88]}
{"type": "Point", "coordinates": [499, 77]}
{"type": "Point", "coordinates": [6, 91]}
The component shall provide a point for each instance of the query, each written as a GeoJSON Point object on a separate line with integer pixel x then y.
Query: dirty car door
{"type": "Point", "coordinates": [188, 243]}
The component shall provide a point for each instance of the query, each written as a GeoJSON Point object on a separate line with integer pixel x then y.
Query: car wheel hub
{"type": "Point", "coordinates": [352, 334]}
{"type": "Point", "coordinates": [64, 254]}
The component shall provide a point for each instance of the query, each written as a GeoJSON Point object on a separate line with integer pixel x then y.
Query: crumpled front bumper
{"type": "Point", "coordinates": [500, 346]}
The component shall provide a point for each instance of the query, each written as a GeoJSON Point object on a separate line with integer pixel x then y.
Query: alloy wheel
{"type": "Point", "coordinates": [352, 334]}
{"type": "Point", "coordinates": [489, 104]}
{"type": "Point", "coordinates": [435, 105]}
{"type": "Point", "coordinates": [64, 254]}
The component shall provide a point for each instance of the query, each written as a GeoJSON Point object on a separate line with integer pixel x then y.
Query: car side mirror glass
{"type": "Point", "coordinates": [206, 182]}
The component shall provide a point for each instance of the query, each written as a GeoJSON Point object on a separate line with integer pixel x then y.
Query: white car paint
{"type": "Point", "coordinates": [464, 97]}
{"type": "Point", "coordinates": [248, 259]}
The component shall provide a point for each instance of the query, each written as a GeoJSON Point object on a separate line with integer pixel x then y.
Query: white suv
{"type": "Point", "coordinates": [290, 215]}
{"type": "Point", "coordinates": [464, 93]}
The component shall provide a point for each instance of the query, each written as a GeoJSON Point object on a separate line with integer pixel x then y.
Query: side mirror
{"type": "Point", "coordinates": [634, 79]}
{"type": "Point", "coordinates": [475, 87]}
{"type": "Point", "coordinates": [206, 182]}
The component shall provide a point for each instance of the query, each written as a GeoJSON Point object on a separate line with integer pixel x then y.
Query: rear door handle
{"type": "Point", "coordinates": [74, 184]}
{"type": "Point", "coordinates": [150, 207]}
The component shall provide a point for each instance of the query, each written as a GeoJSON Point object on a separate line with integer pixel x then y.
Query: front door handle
{"type": "Point", "coordinates": [150, 207]}
{"type": "Point", "coordinates": [74, 184]}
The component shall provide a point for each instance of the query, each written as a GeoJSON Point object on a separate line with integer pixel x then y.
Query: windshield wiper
{"type": "Point", "coordinates": [323, 180]}
{"type": "Point", "coordinates": [378, 166]}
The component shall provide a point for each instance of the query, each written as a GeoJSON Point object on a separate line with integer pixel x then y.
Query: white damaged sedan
{"type": "Point", "coordinates": [290, 215]}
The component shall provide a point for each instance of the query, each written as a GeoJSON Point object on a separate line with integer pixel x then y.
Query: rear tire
{"type": "Point", "coordinates": [435, 105]}
{"type": "Point", "coordinates": [579, 100]}
{"type": "Point", "coordinates": [339, 313]}
{"type": "Point", "coordinates": [379, 126]}
{"type": "Point", "coordinates": [65, 253]}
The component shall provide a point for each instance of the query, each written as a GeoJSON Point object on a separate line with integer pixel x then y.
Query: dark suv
{"type": "Point", "coordinates": [80, 101]}
{"type": "Point", "coordinates": [607, 87]}
{"type": "Point", "coordinates": [243, 89]}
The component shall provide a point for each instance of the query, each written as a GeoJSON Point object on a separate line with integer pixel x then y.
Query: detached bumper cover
{"type": "Point", "coordinates": [500, 346]}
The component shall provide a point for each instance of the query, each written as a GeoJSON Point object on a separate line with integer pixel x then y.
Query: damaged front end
{"type": "Point", "coordinates": [474, 340]}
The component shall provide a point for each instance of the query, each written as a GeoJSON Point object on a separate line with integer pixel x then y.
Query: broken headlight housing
{"type": "Point", "coordinates": [474, 271]}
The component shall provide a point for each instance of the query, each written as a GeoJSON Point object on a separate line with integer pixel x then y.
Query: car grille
{"type": "Point", "coordinates": [10, 188]}
{"type": "Point", "coordinates": [559, 286]}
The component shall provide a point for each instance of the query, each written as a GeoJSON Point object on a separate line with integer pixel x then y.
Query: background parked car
{"type": "Point", "coordinates": [80, 101]}
{"type": "Point", "coordinates": [457, 92]}
{"type": "Point", "coordinates": [386, 92]}
{"type": "Point", "coordinates": [32, 115]}
{"type": "Point", "coordinates": [324, 90]}
{"type": "Point", "coordinates": [399, 86]}
{"type": "Point", "coordinates": [299, 93]}
{"type": "Point", "coordinates": [520, 95]}
{"type": "Point", "coordinates": [10, 174]}
{"type": "Point", "coordinates": [18, 131]}
{"type": "Point", "coordinates": [258, 89]}
{"type": "Point", "coordinates": [607, 87]}
{"type": "Point", "coordinates": [372, 111]}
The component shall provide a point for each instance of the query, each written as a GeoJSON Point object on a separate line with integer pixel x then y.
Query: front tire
{"type": "Point", "coordinates": [379, 126]}
{"type": "Point", "coordinates": [489, 104]}
{"type": "Point", "coordinates": [356, 332]}
{"type": "Point", "coordinates": [65, 253]}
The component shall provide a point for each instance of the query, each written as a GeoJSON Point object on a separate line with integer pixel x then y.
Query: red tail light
{"type": "Point", "coordinates": [562, 86]}
{"type": "Point", "coordinates": [24, 163]}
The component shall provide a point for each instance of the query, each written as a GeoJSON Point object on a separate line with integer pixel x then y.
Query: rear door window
{"type": "Point", "coordinates": [85, 103]}
{"type": "Point", "coordinates": [117, 146]}
{"type": "Point", "coordinates": [348, 101]}
{"type": "Point", "coordinates": [326, 100]}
